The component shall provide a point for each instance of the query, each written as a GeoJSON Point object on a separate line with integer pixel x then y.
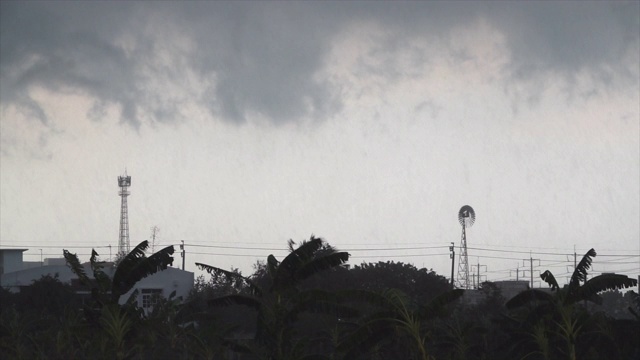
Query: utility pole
{"type": "Point", "coordinates": [570, 270]}
{"type": "Point", "coordinates": [478, 269]}
{"type": "Point", "coordinates": [41, 263]}
{"type": "Point", "coordinates": [517, 272]}
{"type": "Point", "coordinates": [452, 256]}
{"type": "Point", "coordinates": [182, 253]}
{"type": "Point", "coordinates": [531, 260]}
{"type": "Point", "coordinates": [109, 252]}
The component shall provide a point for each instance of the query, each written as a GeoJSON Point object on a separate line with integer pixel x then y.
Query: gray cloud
{"type": "Point", "coordinates": [267, 58]}
{"type": "Point", "coordinates": [68, 49]}
{"type": "Point", "coordinates": [264, 57]}
{"type": "Point", "coordinates": [570, 37]}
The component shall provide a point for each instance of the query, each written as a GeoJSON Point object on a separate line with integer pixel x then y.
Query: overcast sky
{"type": "Point", "coordinates": [245, 124]}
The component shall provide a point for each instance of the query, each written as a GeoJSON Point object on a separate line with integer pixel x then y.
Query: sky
{"type": "Point", "coordinates": [369, 124]}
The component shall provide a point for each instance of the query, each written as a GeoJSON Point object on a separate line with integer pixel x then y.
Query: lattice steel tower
{"type": "Point", "coordinates": [467, 217]}
{"type": "Point", "coordinates": [123, 245]}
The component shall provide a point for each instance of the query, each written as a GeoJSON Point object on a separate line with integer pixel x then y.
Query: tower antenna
{"type": "Point", "coordinates": [154, 232]}
{"type": "Point", "coordinates": [123, 244]}
{"type": "Point", "coordinates": [466, 217]}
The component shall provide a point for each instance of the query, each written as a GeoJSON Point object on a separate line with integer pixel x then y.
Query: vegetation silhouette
{"type": "Point", "coordinates": [310, 305]}
{"type": "Point", "coordinates": [281, 302]}
{"type": "Point", "coordinates": [553, 318]}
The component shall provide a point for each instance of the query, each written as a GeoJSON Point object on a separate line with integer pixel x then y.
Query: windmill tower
{"type": "Point", "coordinates": [123, 244]}
{"type": "Point", "coordinates": [467, 217]}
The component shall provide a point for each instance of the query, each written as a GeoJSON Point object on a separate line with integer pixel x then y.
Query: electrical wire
{"type": "Point", "coordinates": [608, 261]}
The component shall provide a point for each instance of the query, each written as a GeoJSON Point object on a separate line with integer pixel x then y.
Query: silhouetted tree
{"type": "Point", "coordinates": [556, 313]}
{"type": "Point", "coordinates": [282, 301]}
{"type": "Point", "coordinates": [395, 319]}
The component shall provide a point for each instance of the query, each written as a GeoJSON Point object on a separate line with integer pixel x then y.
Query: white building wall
{"type": "Point", "coordinates": [10, 260]}
{"type": "Point", "coordinates": [169, 280]}
{"type": "Point", "coordinates": [55, 261]}
{"type": "Point", "coordinates": [14, 280]}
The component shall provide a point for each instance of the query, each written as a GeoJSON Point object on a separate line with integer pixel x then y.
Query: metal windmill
{"type": "Point", "coordinates": [467, 217]}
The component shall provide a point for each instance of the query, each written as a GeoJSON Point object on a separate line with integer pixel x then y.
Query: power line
{"type": "Point", "coordinates": [347, 248]}
{"type": "Point", "coordinates": [344, 249]}
{"type": "Point", "coordinates": [519, 252]}
{"type": "Point", "coordinates": [607, 260]}
{"type": "Point", "coordinates": [383, 256]}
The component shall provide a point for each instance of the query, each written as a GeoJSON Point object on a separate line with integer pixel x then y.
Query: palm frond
{"type": "Point", "coordinates": [216, 271]}
{"type": "Point", "coordinates": [601, 283]}
{"type": "Point", "coordinates": [94, 256]}
{"type": "Point", "coordinates": [272, 265]}
{"type": "Point", "coordinates": [291, 244]}
{"type": "Point", "coordinates": [102, 279]}
{"type": "Point", "coordinates": [236, 299]}
{"type": "Point", "coordinates": [548, 277]}
{"type": "Point", "coordinates": [132, 298]}
{"type": "Point", "coordinates": [135, 267]}
{"type": "Point", "coordinates": [161, 259]}
{"type": "Point", "coordinates": [527, 297]}
{"type": "Point", "coordinates": [580, 273]}
{"type": "Point", "coordinates": [305, 251]}
{"type": "Point", "coordinates": [286, 269]}
{"type": "Point", "coordinates": [76, 267]}
{"type": "Point", "coordinates": [322, 263]}
{"type": "Point", "coordinates": [128, 262]}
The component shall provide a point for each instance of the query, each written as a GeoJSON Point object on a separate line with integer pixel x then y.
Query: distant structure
{"type": "Point", "coordinates": [467, 217]}
{"type": "Point", "coordinates": [123, 244]}
{"type": "Point", "coordinates": [154, 232]}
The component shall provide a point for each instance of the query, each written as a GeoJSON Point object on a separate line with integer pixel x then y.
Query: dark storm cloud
{"type": "Point", "coordinates": [259, 58]}
{"type": "Point", "coordinates": [264, 57]}
{"type": "Point", "coordinates": [267, 57]}
{"type": "Point", "coordinates": [569, 37]}
{"type": "Point", "coordinates": [72, 47]}
{"type": "Point", "coordinates": [558, 38]}
{"type": "Point", "coordinates": [66, 48]}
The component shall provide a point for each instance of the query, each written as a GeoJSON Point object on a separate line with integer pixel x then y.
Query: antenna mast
{"type": "Point", "coordinates": [466, 217]}
{"type": "Point", "coordinates": [123, 244]}
{"type": "Point", "coordinates": [154, 232]}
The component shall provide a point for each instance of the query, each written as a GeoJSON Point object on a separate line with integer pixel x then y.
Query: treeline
{"type": "Point", "coordinates": [309, 305]}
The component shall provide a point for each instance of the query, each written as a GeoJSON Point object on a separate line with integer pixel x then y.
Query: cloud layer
{"type": "Point", "coordinates": [268, 60]}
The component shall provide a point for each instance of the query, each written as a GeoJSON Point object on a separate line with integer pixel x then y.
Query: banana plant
{"type": "Point", "coordinates": [106, 291]}
{"type": "Point", "coordinates": [133, 267]}
{"type": "Point", "coordinates": [394, 313]}
{"type": "Point", "coordinates": [279, 304]}
{"type": "Point", "coordinates": [557, 310]}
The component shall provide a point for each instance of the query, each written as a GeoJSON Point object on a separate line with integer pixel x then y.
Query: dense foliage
{"type": "Point", "coordinates": [310, 305]}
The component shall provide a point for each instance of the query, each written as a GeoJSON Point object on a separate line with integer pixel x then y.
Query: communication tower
{"type": "Point", "coordinates": [124, 182]}
{"type": "Point", "coordinates": [467, 217]}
